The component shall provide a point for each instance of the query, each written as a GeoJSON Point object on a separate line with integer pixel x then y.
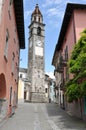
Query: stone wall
{"type": "Point", "coordinates": [3, 108]}
{"type": "Point", "coordinates": [38, 97]}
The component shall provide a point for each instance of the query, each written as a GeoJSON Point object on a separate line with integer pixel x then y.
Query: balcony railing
{"type": "Point", "coordinates": [63, 61]}
{"type": "Point", "coordinates": [59, 69]}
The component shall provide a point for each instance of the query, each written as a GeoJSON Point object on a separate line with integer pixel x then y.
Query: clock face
{"type": "Point", "coordinates": [39, 43]}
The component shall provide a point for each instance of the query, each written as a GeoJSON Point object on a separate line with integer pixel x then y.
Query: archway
{"type": "Point", "coordinates": [2, 86]}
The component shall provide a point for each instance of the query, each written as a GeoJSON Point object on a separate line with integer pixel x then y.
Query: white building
{"type": "Point", "coordinates": [23, 86]}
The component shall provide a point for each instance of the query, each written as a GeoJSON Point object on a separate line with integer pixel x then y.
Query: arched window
{"type": "Point", "coordinates": [34, 18]}
{"type": "Point", "coordinates": [39, 31]}
{"type": "Point", "coordinates": [39, 19]}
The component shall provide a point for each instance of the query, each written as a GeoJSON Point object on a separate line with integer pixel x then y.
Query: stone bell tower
{"type": "Point", "coordinates": [36, 56]}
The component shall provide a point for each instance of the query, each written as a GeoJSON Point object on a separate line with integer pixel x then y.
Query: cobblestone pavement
{"type": "Point", "coordinates": [38, 116]}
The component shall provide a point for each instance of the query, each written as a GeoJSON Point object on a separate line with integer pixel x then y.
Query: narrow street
{"type": "Point", "coordinates": [38, 116]}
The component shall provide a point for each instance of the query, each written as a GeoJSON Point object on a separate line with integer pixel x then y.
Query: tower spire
{"type": "Point", "coordinates": [36, 10]}
{"type": "Point", "coordinates": [37, 15]}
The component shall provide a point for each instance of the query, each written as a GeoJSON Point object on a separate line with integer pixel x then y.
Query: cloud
{"type": "Point", "coordinates": [47, 3]}
{"type": "Point", "coordinates": [60, 2]}
{"type": "Point", "coordinates": [51, 2]}
{"type": "Point", "coordinates": [55, 12]}
{"type": "Point", "coordinates": [27, 13]}
{"type": "Point", "coordinates": [54, 16]}
{"type": "Point", "coordinates": [57, 1]}
{"type": "Point", "coordinates": [52, 12]}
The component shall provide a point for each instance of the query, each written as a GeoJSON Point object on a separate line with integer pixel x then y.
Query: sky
{"type": "Point", "coordinates": [53, 13]}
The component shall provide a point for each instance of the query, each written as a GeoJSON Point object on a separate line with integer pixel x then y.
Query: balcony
{"type": "Point", "coordinates": [59, 69]}
{"type": "Point", "coordinates": [63, 60]}
{"type": "Point", "coordinates": [62, 84]}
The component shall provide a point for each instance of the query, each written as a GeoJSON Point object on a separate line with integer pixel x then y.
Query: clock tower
{"type": "Point", "coordinates": [36, 57]}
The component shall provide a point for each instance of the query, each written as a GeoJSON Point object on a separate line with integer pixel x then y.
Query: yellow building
{"type": "Point", "coordinates": [21, 89]}
{"type": "Point", "coordinates": [22, 82]}
{"type": "Point", "coordinates": [23, 85]}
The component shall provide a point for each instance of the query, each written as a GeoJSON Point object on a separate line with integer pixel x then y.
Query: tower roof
{"type": "Point", "coordinates": [36, 11]}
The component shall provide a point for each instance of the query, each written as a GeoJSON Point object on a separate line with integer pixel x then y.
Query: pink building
{"type": "Point", "coordinates": [74, 23]}
{"type": "Point", "coordinates": [11, 41]}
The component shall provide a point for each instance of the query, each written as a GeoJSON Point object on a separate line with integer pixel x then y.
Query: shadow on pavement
{"type": "Point", "coordinates": [62, 119]}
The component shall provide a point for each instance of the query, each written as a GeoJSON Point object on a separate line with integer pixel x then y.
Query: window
{"type": "Point", "coordinates": [10, 3]}
{"type": "Point", "coordinates": [20, 75]}
{"type": "Point", "coordinates": [1, 5]}
{"type": "Point", "coordinates": [13, 57]}
{"type": "Point", "coordinates": [45, 90]}
{"type": "Point", "coordinates": [16, 72]}
{"type": "Point", "coordinates": [39, 31]}
{"type": "Point", "coordinates": [31, 31]}
{"type": "Point", "coordinates": [62, 79]}
{"type": "Point", "coordinates": [6, 44]}
{"type": "Point", "coordinates": [66, 53]}
{"type": "Point", "coordinates": [25, 88]}
{"type": "Point", "coordinates": [67, 74]}
{"type": "Point", "coordinates": [10, 95]}
{"type": "Point", "coordinates": [15, 35]}
{"type": "Point", "coordinates": [39, 19]}
{"type": "Point", "coordinates": [34, 18]}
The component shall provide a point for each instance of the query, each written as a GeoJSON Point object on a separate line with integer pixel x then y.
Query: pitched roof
{"type": "Point", "coordinates": [19, 14]}
{"type": "Point", "coordinates": [36, 11]}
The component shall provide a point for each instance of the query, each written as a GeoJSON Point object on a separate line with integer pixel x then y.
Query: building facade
{"type": "Point", "coordinates": [36, 57]}
{"type": "Point", "coordinates": [73, 24]}
{"type": "Point", "coordinates": [23, 86]}
{"type": "Point", "coordinates": [50, 91]}
{"type": "Point", "coordinates": [22, 81]}
{"type": "Point", "coordinates": [11, 41]}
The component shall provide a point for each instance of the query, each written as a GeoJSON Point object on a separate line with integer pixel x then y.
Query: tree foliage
{"type": "Point", "coordinates": [76, 88]}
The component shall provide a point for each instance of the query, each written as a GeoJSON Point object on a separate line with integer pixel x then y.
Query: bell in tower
{"type": "Point", "coordinates": [36, 74]}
